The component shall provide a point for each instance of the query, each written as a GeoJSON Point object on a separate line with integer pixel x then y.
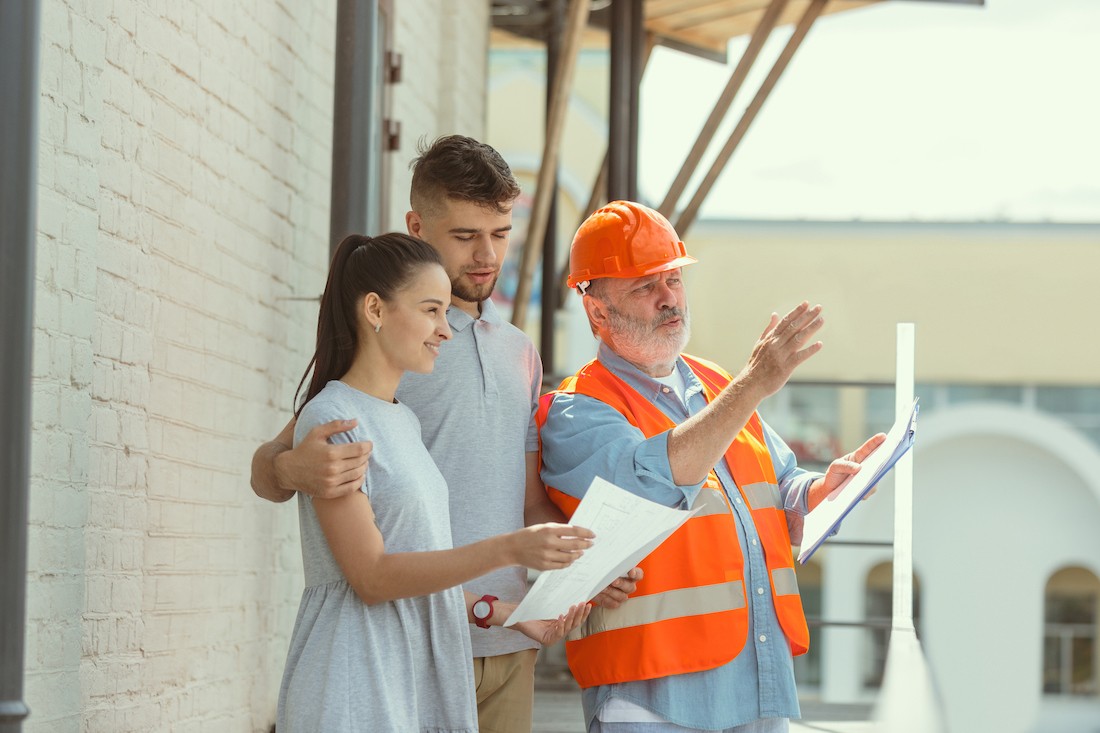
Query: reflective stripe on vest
{"type": "Point", "coordinates": [785, 582]}
{"type": "Point", "coordinates": [662, 606]}
{"type": "Point", "coordinates": [762, 495]}
{"type": "Point", "coordinates": [711, 501]}
{"type": "Point", "coordinates": [767, 514]}
{"type": "Point", "coordinates": [688, 613]}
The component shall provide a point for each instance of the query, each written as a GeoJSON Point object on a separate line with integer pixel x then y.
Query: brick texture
{"type": "Point", "coordinates": [183, 221]}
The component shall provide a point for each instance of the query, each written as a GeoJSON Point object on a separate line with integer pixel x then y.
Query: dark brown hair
{"type": "Point", "coordinates": [459, 167]}
{"type": "Point", "coordinates": [384, 265]}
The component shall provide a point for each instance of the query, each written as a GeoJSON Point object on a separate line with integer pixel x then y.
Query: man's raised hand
{"type": "Point", "coordinates": [783, 346]}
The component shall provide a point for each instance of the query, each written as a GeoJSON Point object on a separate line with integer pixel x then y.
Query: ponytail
{"type": "Point", "coordinates": [383, 265]}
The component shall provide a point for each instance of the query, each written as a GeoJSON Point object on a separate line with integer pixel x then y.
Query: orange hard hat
{"type": "Point", "coordinates": [624, 239]}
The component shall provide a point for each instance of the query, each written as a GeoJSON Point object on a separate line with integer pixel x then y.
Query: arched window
{"type": "Point", "coordinates": [879, 611]}
{"type": "Point", "coordinates": [1071, 633]}
{"type": "Point", "coordinates": [807, 668]}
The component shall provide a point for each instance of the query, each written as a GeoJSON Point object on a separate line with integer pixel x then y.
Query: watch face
{"type": "Point", "coordinates": [481, 610]}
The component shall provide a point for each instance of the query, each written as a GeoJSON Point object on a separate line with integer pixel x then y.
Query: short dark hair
{"type": "Point", "coordinates": [459, 167]}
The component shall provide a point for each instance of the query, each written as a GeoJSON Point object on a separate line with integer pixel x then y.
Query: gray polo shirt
{"type": "Point", "coordinates": [477, 414]}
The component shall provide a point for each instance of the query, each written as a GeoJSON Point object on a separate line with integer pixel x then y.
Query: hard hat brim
{"type": "Point", "coordinates": [640, 271]}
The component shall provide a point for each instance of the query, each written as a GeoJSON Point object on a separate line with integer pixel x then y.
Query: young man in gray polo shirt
{"type": "Point", "coordinates": [476, 411]}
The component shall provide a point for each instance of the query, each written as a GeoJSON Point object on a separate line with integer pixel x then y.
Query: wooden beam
{"type": "Point", "coordinates": [687, 218]}
{"type": "Point", "coordinates": [663, 8]}
{"type": "Point", "coordinates": [576, 20]}
{"type": "Point", "coordinates": [698, 24]}
{"type": "Point", "coordinates": [721, 107]}
{"type": "Point", "coordinates": [687, 15]}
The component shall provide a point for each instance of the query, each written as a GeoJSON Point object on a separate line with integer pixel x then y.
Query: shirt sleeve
{"type": "Point", "coordinates": [318, 412]}
{"type": "Point", "coordinates": [794, 482]}
{"type": "Point", "coordinates": [584, 438]}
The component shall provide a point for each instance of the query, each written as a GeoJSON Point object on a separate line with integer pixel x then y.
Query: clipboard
{"type": "Point", "coordinates": [823, 521]}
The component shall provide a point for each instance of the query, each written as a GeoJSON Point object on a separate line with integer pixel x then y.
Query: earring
{"type": "Point", "coordinates": [377, 327]}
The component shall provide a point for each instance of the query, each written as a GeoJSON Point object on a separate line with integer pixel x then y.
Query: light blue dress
{"type": "Point", "coordinates": [396, 666]}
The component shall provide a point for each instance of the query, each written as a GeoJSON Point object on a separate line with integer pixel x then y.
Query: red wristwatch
{"type": "Point", "coordinates": [483, 610]}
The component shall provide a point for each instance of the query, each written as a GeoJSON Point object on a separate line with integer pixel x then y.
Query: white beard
{"type": "Point", "coordinates": [640, 343]}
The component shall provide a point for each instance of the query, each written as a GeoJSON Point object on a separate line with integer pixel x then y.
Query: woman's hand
{"type": "Point", "coordinates": [548, 546]}
{"type": "Point", "coordinates": [549, 632]}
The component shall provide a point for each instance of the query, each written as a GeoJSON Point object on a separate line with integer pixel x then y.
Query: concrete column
{"type": "Point", "coordinates": [842, 600]}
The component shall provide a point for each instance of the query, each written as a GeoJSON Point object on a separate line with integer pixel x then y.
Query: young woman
{"type": "Point", "coordinates": [381, 640]}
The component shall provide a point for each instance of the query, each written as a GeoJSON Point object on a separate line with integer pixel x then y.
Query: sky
{"type": "Point", "coordinates": [903, 110]}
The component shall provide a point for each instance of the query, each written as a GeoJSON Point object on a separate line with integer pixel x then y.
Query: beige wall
{"type": "Point", "coordinates": [184, 158]}
{"type": "Point", "coordinates": [993, 303]}
{"type": "Point", "coordinates": [517, 108]}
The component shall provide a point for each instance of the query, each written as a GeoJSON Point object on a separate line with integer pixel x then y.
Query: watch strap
{"type": "Point", "coordinates": [484, 622]}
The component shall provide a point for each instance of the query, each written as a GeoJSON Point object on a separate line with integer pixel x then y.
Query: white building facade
{"type": "Point", "coordinates": [1005, 505]}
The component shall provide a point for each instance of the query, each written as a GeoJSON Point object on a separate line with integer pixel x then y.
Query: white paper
{"type": "Point", "coordinates": [827, 515]}
{"type": "Point", "coordinates": [627, 528]}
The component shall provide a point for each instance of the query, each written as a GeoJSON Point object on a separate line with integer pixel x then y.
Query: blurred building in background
{"type": "Point", "coordinates": [1007, 459]}
{"type": "Point", "coordinates": [185, 159]}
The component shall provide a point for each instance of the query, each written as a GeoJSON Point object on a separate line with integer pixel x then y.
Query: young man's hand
{"type": "Point", "coordinates": [322, 469]}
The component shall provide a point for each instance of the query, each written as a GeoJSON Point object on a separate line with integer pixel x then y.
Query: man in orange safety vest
{"type": "Point", "coordinates": [706, 642]}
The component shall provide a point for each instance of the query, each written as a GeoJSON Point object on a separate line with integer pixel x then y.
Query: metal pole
{"type": "Point", "coordinates": [19, 21]}
{"type": "Point", "coordinates": [638, 57]}
{"type": "Point", "coordinates": [623, 114]}
{"type": "Point", "coordinates": [599, 195]}
{"type": "Point", "coordinates": [595, 201]}
{"type": "Point", "coordinates": [357, 122]}
{"type": "Point", "coordinates": [721, 107]}
{"type": "Point", "coordinates": [554, 28]}
{"type": "Point", "coordinates": [687, 218]}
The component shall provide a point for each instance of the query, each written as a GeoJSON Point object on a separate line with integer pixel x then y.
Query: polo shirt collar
{"type": "Point", "coordinates": [460, 320]}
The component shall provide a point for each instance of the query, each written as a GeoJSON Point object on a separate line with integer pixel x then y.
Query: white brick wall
{"type": "Point", "coordinates": [183, 203]}
{"type": "Point", "coordinates": [445, 47]}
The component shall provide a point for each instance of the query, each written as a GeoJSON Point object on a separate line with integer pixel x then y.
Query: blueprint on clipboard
{"type": "Point", "coordinates": [826, 516]}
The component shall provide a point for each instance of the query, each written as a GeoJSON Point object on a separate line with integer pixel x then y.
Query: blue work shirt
{"type": "Point", "coordinates": [584, 438]}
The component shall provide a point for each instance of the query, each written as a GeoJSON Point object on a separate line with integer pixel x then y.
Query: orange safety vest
{"type": "Point", "coordinates": [689, 612]}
